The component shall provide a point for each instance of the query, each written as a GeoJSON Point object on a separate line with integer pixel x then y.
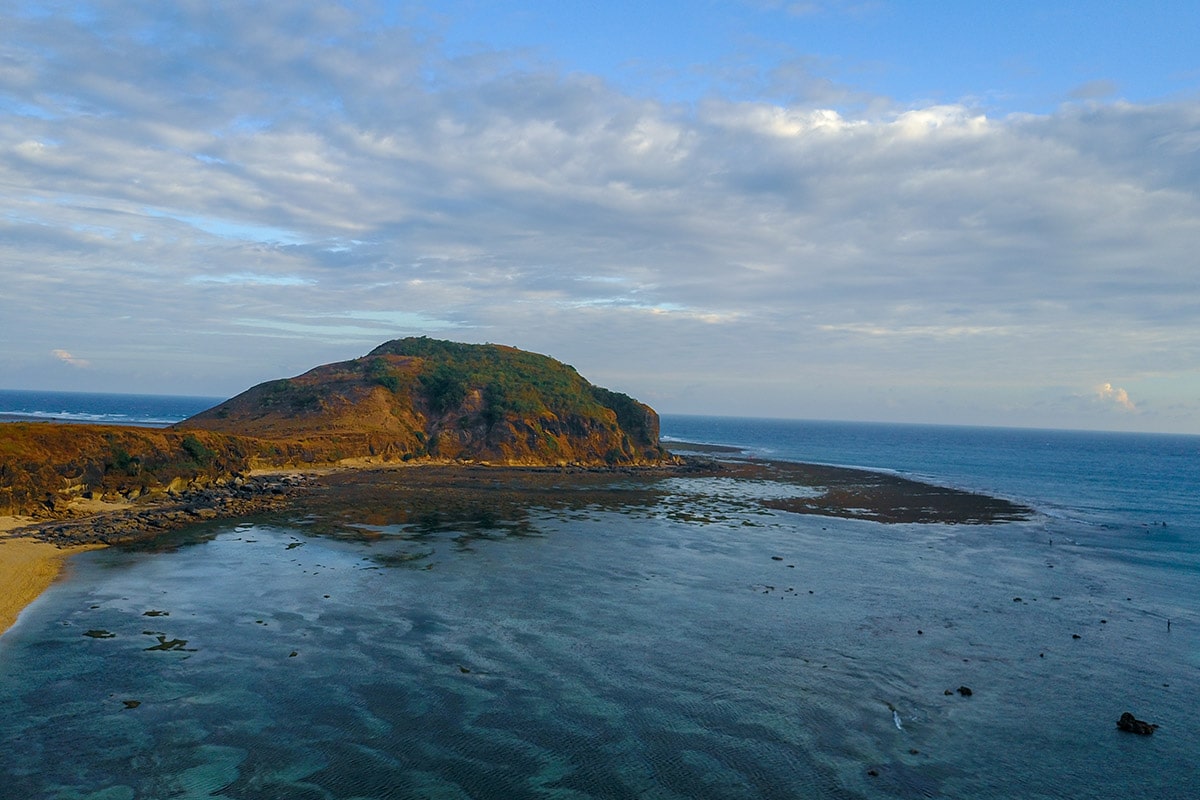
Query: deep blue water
{"type": "Point", "coordinates": [1118, 489]}
{"type": "Point", "coordinates": [697, 645]}
{"type": "Point", "coordinates": [112, 409]}
{"type": "Point", "coordinates": [1102, 475]}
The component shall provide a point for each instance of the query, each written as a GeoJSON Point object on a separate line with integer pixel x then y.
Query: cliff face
{"type": "Point", "coordinates": [424, 398]}
{"type": "Point", "coordinates": [45, 467]}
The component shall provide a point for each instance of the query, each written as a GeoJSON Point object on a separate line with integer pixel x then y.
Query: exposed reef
{"type": "Point", "coordinates": [433, 495]}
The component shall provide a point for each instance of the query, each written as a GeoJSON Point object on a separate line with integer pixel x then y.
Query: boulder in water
{"type": "Point", "coordinates": [1131, 724]}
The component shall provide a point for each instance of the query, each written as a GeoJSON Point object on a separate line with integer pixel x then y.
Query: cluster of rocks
{"type": "Point", "coordinates": [179, 506]}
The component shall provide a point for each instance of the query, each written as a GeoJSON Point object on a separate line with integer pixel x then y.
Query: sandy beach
{"type": "Point", "coordinates": [27, 568]}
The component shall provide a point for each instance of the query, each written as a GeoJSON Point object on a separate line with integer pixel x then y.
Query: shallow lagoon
{"type": "Point", "coordinates": [640, 651]}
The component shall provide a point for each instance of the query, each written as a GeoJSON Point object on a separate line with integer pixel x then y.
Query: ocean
{"type": "Point", "coordinates": [103, 409]}
{"type": "Point", "coordinates": [694, 645]}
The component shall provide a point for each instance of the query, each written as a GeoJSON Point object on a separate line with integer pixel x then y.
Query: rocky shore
{"type": "Point", "coordinates": [465, 496]}
{"type": "Point", "coordinates": [238, 497]}
{"type": "Point", "coordinates": [449, 488]}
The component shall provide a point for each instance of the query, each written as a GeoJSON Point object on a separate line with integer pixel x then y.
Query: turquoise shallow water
{"type": "Point", "coordinates": [695, 646]}
{"type": "Point", "coordinates": [606, 655]}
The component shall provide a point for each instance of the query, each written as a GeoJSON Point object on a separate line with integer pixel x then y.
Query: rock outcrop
{"type": "Point", "coordinates": [51, 470]}
{"type": "Point", "coordinates": [1131, 724]}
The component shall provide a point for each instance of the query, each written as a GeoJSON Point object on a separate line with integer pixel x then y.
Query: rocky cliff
{"type": "Point", "coordinates": [46, 468]}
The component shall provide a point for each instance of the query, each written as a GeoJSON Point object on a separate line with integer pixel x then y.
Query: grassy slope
{"type": "Point", "coordinates": [419, 397]}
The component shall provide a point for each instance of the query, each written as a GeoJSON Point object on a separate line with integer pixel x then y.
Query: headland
{"type": "Point", "coordinates": [416, 426]}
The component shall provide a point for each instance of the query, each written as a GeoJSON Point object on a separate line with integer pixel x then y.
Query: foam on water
{"type": "Point", "coordinates": [103, 409]}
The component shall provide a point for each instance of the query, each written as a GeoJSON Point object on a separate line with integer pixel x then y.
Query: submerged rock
{"type": "Point", "coordinates": [1131, 724]}
{"type": "Point", "coordinates": [173, 644]}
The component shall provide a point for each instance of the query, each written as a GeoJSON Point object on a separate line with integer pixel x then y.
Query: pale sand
{"type": "Point", "coordinates": [27, 568]}
{"type": "Point", "coordinates": [95, 506]}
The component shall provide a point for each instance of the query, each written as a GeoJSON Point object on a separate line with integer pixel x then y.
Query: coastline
{"type": "Point", "coordinates": [27, 568]}
{"type": "Point", "coordinates": [13, 416]}
{"type": "Point", "coordinates": [33, 551]}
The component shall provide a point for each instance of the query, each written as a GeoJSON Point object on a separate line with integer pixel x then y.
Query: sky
{"type": "Point", "coordinates": [932, 212]}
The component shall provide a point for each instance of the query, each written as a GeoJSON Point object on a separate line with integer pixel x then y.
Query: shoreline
{"type": "Point", "coordinates": [16, 416]}
{"type": "Point", "coordinates": [33, 552]}
{"type": "Point", "coordinates": [27, 568]}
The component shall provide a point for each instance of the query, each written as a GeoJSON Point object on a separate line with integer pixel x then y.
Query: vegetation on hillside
{"type": "Point", "coordinates": [513, 381]}
{"type": "Point", "coordinates": [43, 465]}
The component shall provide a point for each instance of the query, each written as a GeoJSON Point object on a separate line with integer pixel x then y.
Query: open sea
{"type": "Point", "coordinates": [697, 645]}
{"type": "Point", "coordinates": [104, 409]}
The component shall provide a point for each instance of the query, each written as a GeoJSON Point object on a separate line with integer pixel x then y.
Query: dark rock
{"type": "Point", "coordinates": [173, 644]}
{"type": "Point", "coordinates": [1131, 724]}
{"type": "Point", "coordinates": [965, 691]}
{"type": "Point", "coordinates": [131, 703]}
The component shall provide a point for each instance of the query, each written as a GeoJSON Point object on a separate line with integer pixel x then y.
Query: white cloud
{"type": "Point", "coordinates": [292, 172]}
{"type": "Point", "coordinates": [67, 358]}
{"type": "Point", "coordinates": [1115, 396]}
{"type": "Point", "coordinates": [252, 279]}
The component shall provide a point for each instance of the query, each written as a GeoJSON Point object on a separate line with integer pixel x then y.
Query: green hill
{"type": "Point", "coordinates": [421, 398]}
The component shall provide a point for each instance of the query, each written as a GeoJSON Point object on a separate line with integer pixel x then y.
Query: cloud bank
{"type": "Point", "coordinates": [209, 195]}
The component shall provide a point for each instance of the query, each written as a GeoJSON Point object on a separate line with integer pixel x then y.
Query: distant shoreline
{"type": "Point", "coordinates": [12, 416]}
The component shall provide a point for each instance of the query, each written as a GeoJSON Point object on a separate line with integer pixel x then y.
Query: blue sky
{"type": "Point", "coordinates": [972, 213]}
{"type": "Point", "coordinates": [1002, 57]}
